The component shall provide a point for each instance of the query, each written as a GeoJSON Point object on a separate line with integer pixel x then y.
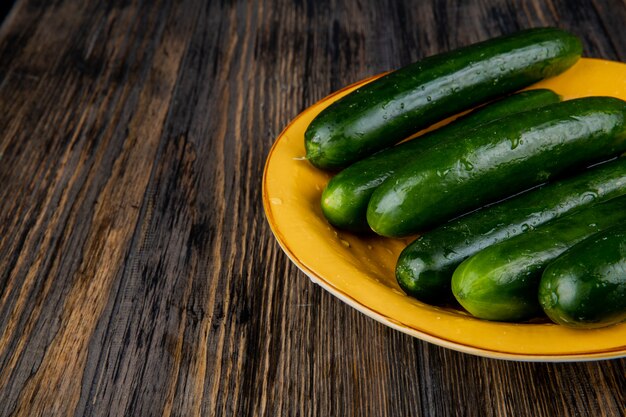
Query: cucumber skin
{"type": "Point", "coordinates": [586, 286]}
{"type": "Point", "coordinates": [501, 282]}
{"type": "Point", "coordinates": [395, 106]}
{"type": "Point", "coordinates": [345, 198]}
{"type": "Point", "coordinates": [496, 160]}
{"type": "Point", "coordinates": [425, 267]}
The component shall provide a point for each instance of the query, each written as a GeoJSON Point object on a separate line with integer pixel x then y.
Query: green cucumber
{"type": "Point", "coordinates": [425, 267]}
{"type": "Point", "coordinates": [345, 198]}
{"type": "Point", "coordinates": [393, 107]}
{"type": "Point", "coordinates": [497, 160]}
{"type": "Point", "coordinates": [586, 286]}
{"type": "Point", "coordinates": [501, 282]}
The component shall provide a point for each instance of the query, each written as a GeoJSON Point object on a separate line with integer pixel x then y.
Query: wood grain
{"type": "Point", "coordinates": [138, 275]}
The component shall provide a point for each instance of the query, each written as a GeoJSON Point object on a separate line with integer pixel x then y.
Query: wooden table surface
{"type": "Point", "coordinates": [138, 275]}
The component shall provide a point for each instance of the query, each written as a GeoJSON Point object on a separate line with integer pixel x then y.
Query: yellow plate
{"type": "Point", "coordinates": [359, 270]}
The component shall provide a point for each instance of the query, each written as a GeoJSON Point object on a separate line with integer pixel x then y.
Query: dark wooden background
{"type": "Point", "coordinates": [138, 275]}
